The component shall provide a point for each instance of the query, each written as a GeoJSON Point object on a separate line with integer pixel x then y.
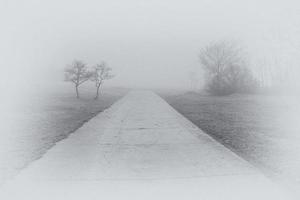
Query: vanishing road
{"type": "Point", "coordinates": [140, 148]}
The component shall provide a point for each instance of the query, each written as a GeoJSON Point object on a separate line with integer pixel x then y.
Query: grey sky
{"type": "Point", "coordinates": [147, 43]}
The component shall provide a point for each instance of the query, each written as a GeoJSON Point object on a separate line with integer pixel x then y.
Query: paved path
{"type": "Point", "coordinates": [140, 148]}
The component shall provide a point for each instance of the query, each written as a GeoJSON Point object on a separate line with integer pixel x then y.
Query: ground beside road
{"type": "Point", "coordinates": [44, 118]}
{"type": "Point", "coordinates": [263, 129]}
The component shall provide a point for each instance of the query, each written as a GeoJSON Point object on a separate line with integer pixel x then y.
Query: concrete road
{"type": "Point", "coordinates": [141, 148]}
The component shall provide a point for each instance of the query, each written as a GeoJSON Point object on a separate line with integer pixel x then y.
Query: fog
{"type": "Point", "coordinates": [147, 43]}
{"type": "Point", "coordinates": [152, 44]}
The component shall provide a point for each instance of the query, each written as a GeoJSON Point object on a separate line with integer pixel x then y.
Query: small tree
{"type": "Point", "coordinates": [101, 73]}
{"type": "Point", "coordinates": [77, 73]}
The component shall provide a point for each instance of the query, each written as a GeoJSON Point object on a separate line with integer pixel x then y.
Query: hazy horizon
{"type": "Point", "coordinates": [147, 43]}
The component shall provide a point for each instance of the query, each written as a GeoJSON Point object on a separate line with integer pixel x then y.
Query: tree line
{"type": "Point", "coordinates": [78, 73]}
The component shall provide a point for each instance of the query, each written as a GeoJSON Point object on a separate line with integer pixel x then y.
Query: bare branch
{"type": "Point", "coordinates": [101, 73]}
{"type": "Point", "coordinates": [77, 73]}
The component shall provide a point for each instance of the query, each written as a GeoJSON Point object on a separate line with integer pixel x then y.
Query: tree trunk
{"type": "Point", "coordinates": [97, 93]}
{"type": "Point", "coordinates": [77, 92]}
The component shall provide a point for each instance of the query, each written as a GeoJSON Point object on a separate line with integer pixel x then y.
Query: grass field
{"type": "Point", "coordinates": [43, 118]}
{"type": "Point", "coordinates": [265, 130]}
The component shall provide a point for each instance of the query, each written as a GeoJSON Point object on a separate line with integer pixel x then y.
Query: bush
{"type": "Point", "coordinates": [226, 70]}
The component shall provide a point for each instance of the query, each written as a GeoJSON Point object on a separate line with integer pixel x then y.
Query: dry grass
{"type": "Point", "coordinates": [261, 129]}
{"type": "Point", "coordinates": [44, 118]}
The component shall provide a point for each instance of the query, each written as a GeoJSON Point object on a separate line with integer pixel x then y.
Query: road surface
{"type": "Point", "coordinates": [140, 148]}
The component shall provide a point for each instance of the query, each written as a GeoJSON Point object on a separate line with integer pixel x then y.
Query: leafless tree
{"type": "Point", "coordinates": [101, 73]}
{"type": "Point", "coordinates": [226, 68]}
{"type": "Point", "coordinates": [77, 73]}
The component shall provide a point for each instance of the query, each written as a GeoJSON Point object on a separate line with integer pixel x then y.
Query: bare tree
{"type": "Point", "coordinates": [226, 69]}
{"type": "Point", "coordinates": [101, 73]}
{"type": "Point", "coordinates": [77, 73]}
